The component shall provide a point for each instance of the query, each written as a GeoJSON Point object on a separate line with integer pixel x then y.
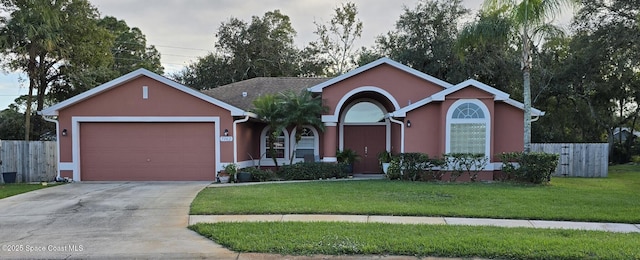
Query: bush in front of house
{"type": "Point", "coordinates": [260, 174]}
{"type": "Point", "coordinates": [461, 163]}
{"type": "Point", "coordinates": [533, 167]}
{"type": "Point", "coordinates": [312, 171]}
{"type": "Point", "coordinates": [414, 167]}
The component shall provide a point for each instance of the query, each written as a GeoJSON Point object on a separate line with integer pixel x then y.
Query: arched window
{"type": "Point", "coordinates": [308, 145]}
{"type": "Point", "coordinates": [364, 112]}
{"type": "Point", "coordinates": [468, 123]}
{"type": "Point", "coordinates": [280, 145]}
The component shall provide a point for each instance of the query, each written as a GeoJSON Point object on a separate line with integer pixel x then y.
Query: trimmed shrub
{"type": "Point", "coordinates": [259, 174]}
{"type": "Point", "coordinates": [312, 171]}
{"type": "Point", "coordinates": [460, 163]}
{"type": "Point", "coordinates": [414, 167]}
{"type": "Point", "coordinates": [532, 167]}
{"type": "Point", "coordinates": [393, 172]}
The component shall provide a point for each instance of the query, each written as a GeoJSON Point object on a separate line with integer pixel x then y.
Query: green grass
{"type": "Point", "coordinates": [297, 238]}
{"type": "Point", "coordinates": [612, 199]}
{"type": "Point", "coordinates": [8, 190]}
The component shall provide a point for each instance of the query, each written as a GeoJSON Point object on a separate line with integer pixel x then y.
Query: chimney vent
{"type": "Point", "coordinates": [244, 94]}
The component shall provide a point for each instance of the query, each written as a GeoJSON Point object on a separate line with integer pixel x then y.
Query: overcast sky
{"type": "Point", "coordinates": [184, 30]}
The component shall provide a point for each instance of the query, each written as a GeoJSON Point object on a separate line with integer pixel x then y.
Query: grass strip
{"type": "Point", "coordinates": [612, 199]}
{"type": "Point", "coordinates": [8, 190]}
{"type": "Point", "coordinates": [340, 238]}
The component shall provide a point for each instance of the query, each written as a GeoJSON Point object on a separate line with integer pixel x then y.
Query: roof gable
{"type": "Point", "coordinates": [321, 86]}
{"type": "Point", "coordinates": [498, 95]}
{"type": "Point", "coordinates": [53, 110]}
{"type": "Point", "coordinates": [440, 96]}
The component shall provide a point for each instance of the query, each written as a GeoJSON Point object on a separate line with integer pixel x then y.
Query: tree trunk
{"type": "Point", "coordinates": [31, 72]}
{"type": "Point", "coordinates": [526, 91]}
{"type": "Point", "coordinates": [27, 112]}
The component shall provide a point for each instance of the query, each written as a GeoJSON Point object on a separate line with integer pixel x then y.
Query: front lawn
{"type": "Point", "coordinates": [612, 199]}
{"type": "Point", "coordinates": [7, 190]}
{"type": "Point", "coordinates": [298, 238]}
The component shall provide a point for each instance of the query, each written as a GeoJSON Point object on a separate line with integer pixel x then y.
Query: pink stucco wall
{"type": "Point", "coordinates": [426, 134]}
{"type": "Point", "coordinates": [404, 87]}
{"type": "Point", "coordinates": [508, 129]}
{"type": "Point", "coordinates": [126, 100]}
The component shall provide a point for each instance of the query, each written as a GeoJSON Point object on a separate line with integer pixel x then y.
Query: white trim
{"type": "Point", "coordinates": [534, 111]}
{"type": "Point", "coordinates": [65, 166]}
{"type": "Point", "coordinates": [486, 120]}
{"type": "Point", "coordinates": [57, 144]}
{"type": "Point", "coordinates": [246, 164]}
{"type": "Point", "coordinates": [53, 110]}
{"type": "Point", "coordinates": [330, 159]}
{"type": "Point", "coordinates": [235, 137]}
{"type": "Point", "coordinates": [401, 133]}
{"type": "Point", "coordinates": [498, 95]}
{"type": "Point", "coordinates": [345, 98]}
{"type": "Point", "coordinates": [281, 161]}
{"type": "Point", "coordinates": [316, 142]}
{"type": "Point", "coordinates": [440, 96]}
{"type": "Point", "coordinates": [263, 144]}
{"type": "Point", "coordinates": [318, 88]}
{"type": "Point", "coordinates": [76, 120]}
{"type": "Point", "coordinates": [403, 112]}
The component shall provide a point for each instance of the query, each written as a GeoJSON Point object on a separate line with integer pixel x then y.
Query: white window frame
{"type": "Point", "coordinates": [316, 143]}
{"type": "Point", "coordinates": [486, 120]}
{"type": "Point", "coordinates": [266, 161]}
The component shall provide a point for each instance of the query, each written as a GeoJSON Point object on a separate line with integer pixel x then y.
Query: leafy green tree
{"type": "Point", "coordinates": [262, 48]}
{"type": "Point", "coordinates": [530, 18]}
{"type": "Point", "coordinates": [424, 36]}
{"type": "Point", "coordinates": [41, 36]}
{"type": "Point", "coordinates": [336, 41]}
{"type": "Point", "coordinates": [487, 54]}
{"type": "Point", "coordinates": [604, 61]}
{"type": "Point", "coordinates": [11, 121]}
{"type": "Point", "coordinates": [300, 110]}
{"type": "Point", "coordinates": [128, 51]}
{"type": "Point", "coordinates": [208, 72]}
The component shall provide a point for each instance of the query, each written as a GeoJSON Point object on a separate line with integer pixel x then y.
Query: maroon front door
{"type": "Point", "coordinates": [367, 141]}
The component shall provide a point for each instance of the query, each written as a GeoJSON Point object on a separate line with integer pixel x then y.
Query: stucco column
{"type": "Point", "coordinates": [330, 142]}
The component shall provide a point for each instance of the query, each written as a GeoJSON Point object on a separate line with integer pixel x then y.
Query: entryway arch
{"type": "Point", "coordinates": [365, 129]}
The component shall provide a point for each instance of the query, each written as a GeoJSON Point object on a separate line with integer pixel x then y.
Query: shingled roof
{"type": "Point", "coordinates": [233, 93]}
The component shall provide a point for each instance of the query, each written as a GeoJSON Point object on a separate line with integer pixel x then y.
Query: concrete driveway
{"type": "Point", "coordinates": [105, 220]}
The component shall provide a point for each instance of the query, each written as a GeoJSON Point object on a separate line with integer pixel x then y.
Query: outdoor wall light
{"type": "Point", "coordinates": [64, 132]}
{"type": "Point", "coordinates": [408, 123]}
{"type": "Point", "coordinates": [226, 132]}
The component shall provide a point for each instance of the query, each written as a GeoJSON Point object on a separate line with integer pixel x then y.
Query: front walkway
{"type": "Point", "coordinates": [594, 226]}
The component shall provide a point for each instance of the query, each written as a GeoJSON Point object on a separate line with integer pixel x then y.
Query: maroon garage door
{"type": "Point", "coordinates": [147, 151]}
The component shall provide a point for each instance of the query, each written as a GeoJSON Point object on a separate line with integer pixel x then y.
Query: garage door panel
{"type": "Point", "coordinates": [147, 151]}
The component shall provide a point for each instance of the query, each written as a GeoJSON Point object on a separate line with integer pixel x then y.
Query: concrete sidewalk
{"type": "Point", "coordinates": [594, 226]}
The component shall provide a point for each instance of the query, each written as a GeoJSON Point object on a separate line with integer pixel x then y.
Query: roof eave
{"type": "Point", "coordinates": [318, 88]}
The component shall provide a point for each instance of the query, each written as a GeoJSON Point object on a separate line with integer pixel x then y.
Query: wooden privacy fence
{"type": "Point", "coordinates": [578, 160]}
{"type": "Point", "coordinates": [34, 161]}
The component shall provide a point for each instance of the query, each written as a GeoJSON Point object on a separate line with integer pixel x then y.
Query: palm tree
{"type": "Point", "coordinates": [302, 109]}
{"type": "Point", "coordinates": [530, 18]}
{"type": "Point", "coordinates": [30, 35]}
{"type": "Point", "coordinates": [269, 109]}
